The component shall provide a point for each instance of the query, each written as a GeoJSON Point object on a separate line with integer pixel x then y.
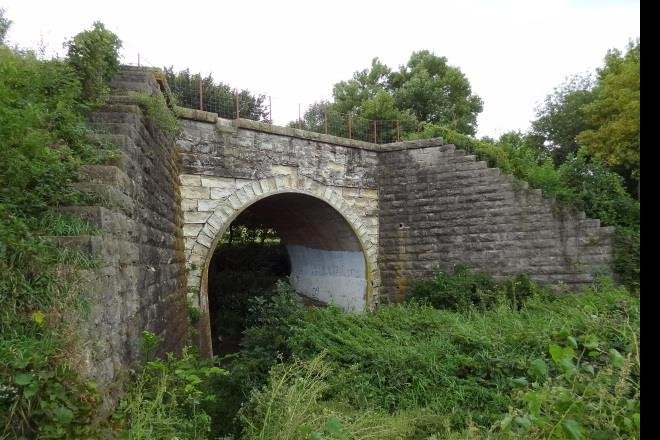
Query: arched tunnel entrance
{"type": "Point", "coordinates": [284, 234]}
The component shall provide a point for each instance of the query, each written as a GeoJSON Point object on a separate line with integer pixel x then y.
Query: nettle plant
{"type": "Point", "coordinates": [586, 390]}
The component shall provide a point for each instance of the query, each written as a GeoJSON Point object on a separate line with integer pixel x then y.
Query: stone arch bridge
{"type": "Point", "coordinates": [360, 221]}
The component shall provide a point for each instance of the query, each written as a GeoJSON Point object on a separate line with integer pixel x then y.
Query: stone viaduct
{"type": "Point", "coordinates": [360, 221]}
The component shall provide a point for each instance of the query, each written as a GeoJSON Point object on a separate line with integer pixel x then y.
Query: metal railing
{"type": "Point", "coordinates": [199, 93]}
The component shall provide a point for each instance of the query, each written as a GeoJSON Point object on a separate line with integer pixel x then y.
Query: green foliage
{"type": "Point", "coordinates": [40, 394]}
{"type": "Point", "coordinates": [590, 390]}
{"type": "Point", "coordinates": [43, 141]}
{"type": "Point", "coordinates": [94, 55]}
{"type": "Point", "coordinates": [5, 24]}
{"type": "Point", "coordinates": [216, 97]}
{"type": "Point", "coordinates": [562, 117]}
{"type": "Point", "coordinates": [452, 367]}
{"type": "Point", "coordinates": [599, 192]}
{"type": "Point", "coordinates": [165, 399]}
{"type": "Point", "coordinates": [464, 290]}
{"type": "Point", "coordinates": [156, 109]}
{"type": "Point", "coordinates": [615, 113]}
{"type": "Point", "coordinates": [436, 92]}
{"type": "Point", "coordinates": [290, 407]}
{"type": "Point", "coordinates": [271, 322]}
{"type": "Point", "coordinates": [627, 262]}
{"type": "Point", "coordinates": [426, 89]}
{"type": "Point", "coordinates": [239, 271]}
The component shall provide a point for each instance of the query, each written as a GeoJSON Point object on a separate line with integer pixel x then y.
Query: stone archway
{"type": "Point", "coordinates": [309, 258]}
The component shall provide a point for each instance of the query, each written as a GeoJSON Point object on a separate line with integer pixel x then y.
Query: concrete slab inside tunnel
{"type": "Point", "coordinates": [327, 262]}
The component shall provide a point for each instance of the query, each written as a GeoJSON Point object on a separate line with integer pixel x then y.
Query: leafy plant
{"type": "Point", "coordinates": [290, 407]}
{"type": "Point", "coordinates": [94, 55]}
{"type": "Point", "coordinates": [464, 289]}
{"type": "Point", "coordinates": [157, 111]}
{"type": "Point", "coordinates": [44, 141]}
{"type": "Point", "coordinates": [165, 399]}
{"type": "Point", "coordinates": [589, 391]}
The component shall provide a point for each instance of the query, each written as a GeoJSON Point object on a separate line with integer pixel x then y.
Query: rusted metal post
{"type": "Point", "coordinates": [238, 104]}
{"type": "Point", "coordinates": [350, 127]}
{"type": "Point", "coordinates": [138, 59]}
{"type": "Point", "coordinates": [325, 118]}
{"type": "Point", "coordinates": [398, 131]}
{"type": "Point", "coordinates": [201, 102]}
{"type": "Point", "coordinates": [375, 138]}
{"type": "Point", "coordinates": [270, 109]}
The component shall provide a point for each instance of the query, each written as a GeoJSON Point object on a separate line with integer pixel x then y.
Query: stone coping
{"type": "Point", "coordinates": [232, 124]}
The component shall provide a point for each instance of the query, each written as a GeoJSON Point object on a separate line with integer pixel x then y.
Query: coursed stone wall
{"type": "Point", "coordinates": [139, 284]}
{"type": "Point", "coordinates": [439, 207]}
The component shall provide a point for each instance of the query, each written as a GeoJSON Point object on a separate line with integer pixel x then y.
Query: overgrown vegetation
{"type": "Point", "coordinates": [567, 365]}
{"type": "Point", "coordinates": [166, 397]}
{"type": "Point", "coordinates": [156, 110]}
{"type": "Point", "coordinates": [464, 290]}
{"type": "Point", "coordinates": [542, 366]}
{"type": "Point", "coordinates": [43, 141]}
{"type": "Point", "coordinates": [94, 55]}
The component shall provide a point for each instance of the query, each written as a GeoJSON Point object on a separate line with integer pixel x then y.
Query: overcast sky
{"type": "Point", "coordinates": [514, 52]}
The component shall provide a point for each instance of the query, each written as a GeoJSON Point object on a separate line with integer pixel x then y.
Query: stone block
{"type": "Point", "coordinates": [196, 217]}
{"type": "Point", "coordinates": [195, 192]}
{"type": "Point", "coordinates": [207, 205]}
{"type": "Point", "coordinates": [190, 180]}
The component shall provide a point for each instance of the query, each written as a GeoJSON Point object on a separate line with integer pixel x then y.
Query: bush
{"type": "Point", "coordinates": [290, 407]}
{"type": "Point", "coordinates": [165, 400]}
{"type": "Point", "coordinates": [44, 140]}
{"type": "Point", "coordinates": [463, 290]}
{"type": "Point", "coordinates": [588, 389]}
{"type": "Point", "coordinates": [94, 55]}
{"type": "Point", "coordinates": [627, 262]}
{"type": "Point", "coordinates": [455, 369]}
{"type": "Point", "coordinates": [271, 322]}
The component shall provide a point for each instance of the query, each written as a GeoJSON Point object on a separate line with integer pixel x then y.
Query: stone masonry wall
{"type": "Point", "coordinates": [219, 159]}
{"type": "Point", "coordinates": [440, 207]}
{"type": "Point", "coordinates": [140, 282]}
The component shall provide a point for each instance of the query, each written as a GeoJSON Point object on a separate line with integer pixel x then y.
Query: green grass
{"type": "Point", "coordinates": [454, 374]}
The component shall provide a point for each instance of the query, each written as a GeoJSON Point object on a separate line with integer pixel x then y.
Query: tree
{"type": "Point", "coordinates": [615, 114]}
{"type": "Point", "coordinates": [562, 117]}
{"type": "Point", "coordinates": [427, 90]}
{"type": "Point", "coordinates": [94, 55]}
{"type": "Point", "coordinates": [350, 95]}
{"type": "Point", "coordinates": [5, 23]}
{"type": "Point", "coordinates": [436, 92]}
{"type": "Point", "coordinates": [217, 97]}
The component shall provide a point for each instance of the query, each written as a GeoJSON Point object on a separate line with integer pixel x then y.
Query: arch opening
{"type": "Point", "coordinates": [291, 234]}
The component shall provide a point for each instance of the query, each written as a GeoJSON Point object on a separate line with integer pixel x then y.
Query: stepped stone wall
{"type": "Point", "coordinates": [439, 207]}
{"type": "Point", "coordinates": [139, 284]}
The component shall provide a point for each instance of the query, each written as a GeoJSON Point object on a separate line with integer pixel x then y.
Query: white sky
{"type": "Point", "coordinates": [514, 52]}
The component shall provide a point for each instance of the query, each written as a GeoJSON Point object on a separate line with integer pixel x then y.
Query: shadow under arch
{"type": "Point", "coordinates": [332, 257]}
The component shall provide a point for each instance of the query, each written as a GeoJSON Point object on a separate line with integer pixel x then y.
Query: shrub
{"type": "Point", "coordinates": [291, 407]}
{"type": "Point", "coordinates": [165, 399]}
{"type": "Point", "coordinates": [94, 55]}
{"type": "Point", "coordinates": [156, 109]}
{"type": "Point", "coordinates": [271, 322]}
{"type": "Point", "coordinates": [464, 289]}
{"type": "Point", "coordinates": [44, 140]}
{"type": "Point", "coordinates": [455, 369]}
{"type": "Point", "coordinates": [588, 389]}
